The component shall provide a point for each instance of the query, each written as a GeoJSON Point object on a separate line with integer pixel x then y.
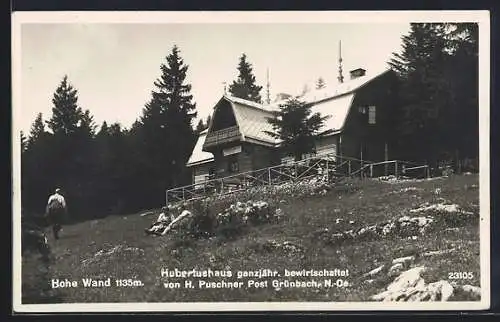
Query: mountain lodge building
{"type": "Point", "coordinates": [359, 110]}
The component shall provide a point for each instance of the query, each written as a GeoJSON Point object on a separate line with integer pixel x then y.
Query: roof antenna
{"type": "Point", "coordinates": [340, 78]}
{"type": "Point", "coordinates": [225, 91]}
{"type": "Point", "coordinates": [268, 95]}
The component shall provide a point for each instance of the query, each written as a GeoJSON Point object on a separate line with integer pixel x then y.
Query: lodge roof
{"type": "Point", "coordinates": [251, 117]}
{"type": "Point", "coordinates": [198, 156]}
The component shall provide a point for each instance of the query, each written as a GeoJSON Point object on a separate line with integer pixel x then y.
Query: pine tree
{"type": "Point", "coordinates": [86, 125]}
{"type": "Point", "coordinates": [65, 112]}
{"type": "Point", "coordinates": [73, 165]}
{"type": "Point", "coordinates": [165, 132]}
{"type": "Point", "coordinates": [104, 130]}
{"type": "Point", "coordinates": [200, 127]}
{"type": "Point", "coordinates": [244, 86]}
{"type": "Point", "coordinates": [297, 128]}
{"type": "Point", "coordinates": [462, 43]}
{"type": "Point", "coordinates": [209, 119]}
{"type": "Point", "coordinates": [36, 166]}
{"type": "Point", "coordinates": [37, 130]}
{"type": "Point", "coordinates": [425, 92]}
{"type": "Point", "coordinates": [320, 83]}
{"type": "Point", "coordinates": [113, 169]}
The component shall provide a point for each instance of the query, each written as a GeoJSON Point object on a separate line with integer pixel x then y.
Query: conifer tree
{"type": "Point", "coordinates": [245, 85]}
{"type": "Point", "coordinates": [320, 83]}
{"type": "Point", "coordinates": [65, 112]}
{"type": "Point", "coordinates": [200, 127]}
{"type": "Point", "coordinates": [86, 125]}
{"type": "Point", "coordinates": [438, 69]}
{"type": "Point", "coordinates": [36, 166]}
{"type": "Point", "coordinates": [103, 130]}
{"type": "Point", "coordinates": [166, 135]}
{"type": "Point", "coordinates": [209, 119]}
{"type": "Point", "coordinates": [37, 130]}
{"type": "Point", "coordinates": [424, 92]}
{"type": "Point", "coordinates": [297, 128]}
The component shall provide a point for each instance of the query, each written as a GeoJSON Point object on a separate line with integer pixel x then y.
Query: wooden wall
{"type": "Point", "coordinates": [201, 172]}
{"type": "Point", "coordinates": [263, 157]}
{"type": "Point", "coordinates": [327, 145]}
{"type": "Point", "coordinates": [360, 136]}
{"type": "Point", "coordinates": [251, 157]}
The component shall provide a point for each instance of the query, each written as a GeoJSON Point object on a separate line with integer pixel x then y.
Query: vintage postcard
{"type": "Point", "coordinates": [250, 161]}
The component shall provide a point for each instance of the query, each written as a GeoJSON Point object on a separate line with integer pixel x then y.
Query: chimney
{"type": "Point", "coordinates": [355, 73]}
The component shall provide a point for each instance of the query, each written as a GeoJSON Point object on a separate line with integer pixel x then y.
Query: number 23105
{"type": "Point", "coordinates": [460, 275]}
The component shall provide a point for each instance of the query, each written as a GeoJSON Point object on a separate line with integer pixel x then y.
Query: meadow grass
{"type": "Point", "coordinates": [125, 252]}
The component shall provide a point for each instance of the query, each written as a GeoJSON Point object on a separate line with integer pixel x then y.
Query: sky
{"type": "Point", "coordinates": [114, 65]}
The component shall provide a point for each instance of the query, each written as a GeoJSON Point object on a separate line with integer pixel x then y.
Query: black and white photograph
{"type": "Point", "coordinates": [250, 161]}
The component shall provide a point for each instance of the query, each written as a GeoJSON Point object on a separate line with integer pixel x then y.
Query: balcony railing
{"type": "Point", "coordinates": [226, 135]}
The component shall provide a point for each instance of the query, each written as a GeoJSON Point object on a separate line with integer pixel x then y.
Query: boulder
{"type": "Point", "coordinates": [374, 271]}
{"type": "Point", "coordinates": [409, 286]}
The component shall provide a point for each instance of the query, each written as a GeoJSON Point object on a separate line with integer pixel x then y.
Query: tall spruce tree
{"type": "Point", "coordinates": [297, 128]}
{"type": "Point", "coordinates": [72, 151]}
{"type": "Point", "coordinates": [65, 113]}
{"type": "Point", "coordinates": [462, 42]}
{"type": "Point", "coordinates": [165, 129]}
{"type": "Point", "coordinates": [425, 93]}
{"type": "Point", "coordinates": [245, 86]}
{"type": "Point", "coordinates": [438, 67]}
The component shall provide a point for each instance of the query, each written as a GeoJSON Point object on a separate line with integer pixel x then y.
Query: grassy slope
{"type": "Point", "coordinates": [304, 217]}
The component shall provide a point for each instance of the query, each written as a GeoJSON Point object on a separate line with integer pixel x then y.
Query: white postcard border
{"type": "Point", "coordinates": [480, 16]}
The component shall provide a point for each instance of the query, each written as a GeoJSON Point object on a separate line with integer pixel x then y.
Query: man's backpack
{"type": "Point", "coordinates": [55, 204]}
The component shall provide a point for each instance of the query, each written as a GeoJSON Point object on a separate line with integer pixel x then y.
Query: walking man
{"type": "Point", "coordinates": [56, 211]}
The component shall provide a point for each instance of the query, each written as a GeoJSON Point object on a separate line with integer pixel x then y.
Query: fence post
{"type": "Point", "coordinates": [349, 167]}
{"type": "Point", "coordinates": [403, 169]}
{"type": "Point", "coordinates": [327, 171]}
{"type": "Point", "coordinates": [183, 195]}
{"type": "Point", "coordinates": [371, 170]}
{"type": "Point", "coordinates": [166, 198]}
{"type": "Point", "coordinates": [221, 186]}
{"type": "Point", "coordinates": [396, 168]}
{"type": "Point", "coordinates": [269, 175]}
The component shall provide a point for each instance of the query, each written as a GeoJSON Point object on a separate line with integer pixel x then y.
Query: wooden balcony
{"type": "Point", "coordinates": [223, 136]}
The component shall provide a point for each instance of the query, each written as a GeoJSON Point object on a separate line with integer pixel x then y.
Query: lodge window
{"type": "Point", "coordinates": [233, 164]}
{"type": "Point", "coordinates": [371, 114]}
